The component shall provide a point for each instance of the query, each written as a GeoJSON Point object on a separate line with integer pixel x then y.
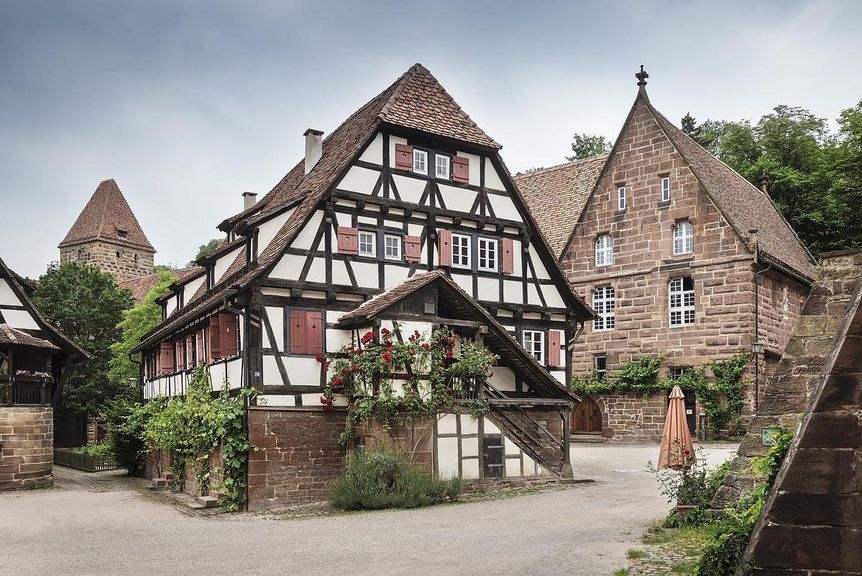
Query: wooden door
{"type": "Point", "coordinates": [492, 452]}
{"type": "Point", "coordinates": [586, 418]}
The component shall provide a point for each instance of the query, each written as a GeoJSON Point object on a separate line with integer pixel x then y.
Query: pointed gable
{"type": "Point", "coordinates": [107, 216]}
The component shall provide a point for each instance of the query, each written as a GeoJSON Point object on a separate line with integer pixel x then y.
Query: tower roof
{"type": "Point", "coordinates": [107, 216]}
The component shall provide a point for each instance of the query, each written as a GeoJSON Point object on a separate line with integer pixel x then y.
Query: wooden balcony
{"type": "Point", "coordinates": [25, 391]}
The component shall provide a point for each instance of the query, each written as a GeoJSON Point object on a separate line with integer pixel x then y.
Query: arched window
{"type": "Point", "coordinates": [604, 250]}
{"type": "Point", "coordinates": [683, 237]}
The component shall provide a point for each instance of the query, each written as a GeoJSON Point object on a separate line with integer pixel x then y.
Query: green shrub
{"type": "Point", "coordinates": [695, 486]}
{"type": "Point", "coordinates": [98, 450]}
{"type": "Point", "coordinates": [376, 479]}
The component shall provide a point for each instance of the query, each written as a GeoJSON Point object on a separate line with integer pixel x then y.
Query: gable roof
{"type": "Point", "coordinates": [556, 196]}
{"type": "Point", "coordinates": [15, 337]}
{"type": "Point", "coordinates": [104, 217]}
{"type": "Point", "coordinates": [498, 339]}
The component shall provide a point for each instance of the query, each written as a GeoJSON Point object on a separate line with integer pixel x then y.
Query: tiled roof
{"type": "Point", "coordinates": [556, 196]}
{"type": "Point", "coordinates": [744, 205]}
{"type": "Point", "coordinates": [377, 304]}
{"type": "Point", "coordinates": [140, 286]}
{"type": "Point", "coordinates": [14, 337]}
{"type": "Point", "coordinates": [106, 216]}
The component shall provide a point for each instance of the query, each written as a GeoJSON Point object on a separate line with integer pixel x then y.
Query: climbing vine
{"type": "Point", "coordinates": [390, 380]}
{"type": "Point", "coordinates": [640, 375]}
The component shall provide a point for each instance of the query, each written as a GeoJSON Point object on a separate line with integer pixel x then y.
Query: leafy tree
{"type": "Point", "coordinates": [206, 249]}
{"type": "Point", "coordinates": [87, 306]}
{"type": "Point", "coordinates": [136, 322]}
{"type": "Point", "coordinates": [586, 145]}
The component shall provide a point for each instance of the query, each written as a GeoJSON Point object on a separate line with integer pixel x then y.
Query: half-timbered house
{"type": "Point", "coordinates": [405, 215]}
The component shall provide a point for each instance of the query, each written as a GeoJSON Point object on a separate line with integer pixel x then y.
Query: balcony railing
{"type": "Point", "coordinates": [464, 387]}
{"type": "Point", "coordinates": [25, 391]}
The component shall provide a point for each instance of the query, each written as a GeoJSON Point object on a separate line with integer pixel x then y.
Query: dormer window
{"type": "Point", "coordinates": [683, 238]}
{"type": "Point", "coordinates": [122, 233]}
{"type": "Point", "coordinates": [604, 250]}
{"type": "Point", "coordinates": [420, 162]}
{"type": "Point", "coordinates": [621, 198]}
{"type": "Point", "coordinates": [442, 164]}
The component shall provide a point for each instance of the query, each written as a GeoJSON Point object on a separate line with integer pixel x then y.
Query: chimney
{"type": "Point", "coordinates": [249, 199]}
{"type": "Point", "coordinates": [313, 148]}
{"type": "Point", "coordinates": [764, 182]}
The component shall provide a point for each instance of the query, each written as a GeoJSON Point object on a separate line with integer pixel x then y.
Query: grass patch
{"type": "Point", "coordinates": [621, 572]}
{"type": "Point", "coordinates": [635, 554]}
{"type": "Point", "coordinates": [666, 545]}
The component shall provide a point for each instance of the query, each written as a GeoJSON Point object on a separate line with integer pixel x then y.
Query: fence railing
{"type": "Point", "coordinates": [25, 391]}
{"type": "Point", "coordinates": [463, 387]}
{"type": "Point", "coordinates": [65, 457]}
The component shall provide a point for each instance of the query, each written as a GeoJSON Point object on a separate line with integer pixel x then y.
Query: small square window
{"type": "Point", "coordinates": [420, 162]}
{"type": "Point", "coordinates": [621, 198]}
{"type": "Point", "coordinates": [601, 367]}
{"type": "Point", "coordinates": [665, 188]}
{"type": "Point", "coordinates": [488, 254]}
{"type": "Point", "coordinates": [392, 247]}
{"type": "Point", "coordinates": [367, 243]}
{"type": "Point", "coordinates": [443, 164]}
{"type": "Point", "coordinates": [460, 251]}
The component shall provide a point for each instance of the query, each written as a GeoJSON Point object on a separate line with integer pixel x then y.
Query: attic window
{"type": "Point", "coordinates": [122, 233]}
{"type": "Point", "coordinates": [420, 162]}
{"type": "Point", "coordinates": [442, 164]}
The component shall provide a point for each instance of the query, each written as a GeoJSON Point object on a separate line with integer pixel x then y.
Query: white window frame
{"type": "Point", "coordinates": [604, 250]}
{"type": "Point", "coordinates": [490, 261]}
{"type": "Point", "coordinates": [534, 343]}
{"type": "Point", "coordinates": [683, 238]}
{"type": "Point", "coordinates": [366, 234]}
{"type": "Point", "coordinates": [601, 374]}
{"type": "Point", "coordinates": [420, 162]}
{"type": "Point", "coordinates": [446, 173]}
{"type": "Point", "coordinates": [386, 246]}
{"type": "Point", "coordinates": [604, 303]}
{"type": "Point", "coordinates": [680, 302]}
{"type": "Point", "coordinates": [621, 198]}
{"type": "Point", "coordinates": [460, 255]}
{"type": "Point", "coordinates": [665, 188]}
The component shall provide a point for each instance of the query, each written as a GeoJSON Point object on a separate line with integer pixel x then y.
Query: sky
{"type": "Point", "coordinates": [189, 104]}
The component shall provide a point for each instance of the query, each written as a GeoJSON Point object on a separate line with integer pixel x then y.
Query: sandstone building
{"type": "Point", "coordinates": [677, 254]}
{"type": "Point", "coordinates": [107, 235]}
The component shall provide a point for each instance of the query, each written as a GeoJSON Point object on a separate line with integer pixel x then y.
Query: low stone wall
{"type": "Point", "coordinates": [26, 447]}
{"type": "Point", "coordinates": [297, 456]}
{"type": "Point", "coordinates": [632, 417]}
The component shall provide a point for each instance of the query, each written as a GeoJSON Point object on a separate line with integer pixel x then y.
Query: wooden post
{"type": "Point", "coordinates": [566, 414]}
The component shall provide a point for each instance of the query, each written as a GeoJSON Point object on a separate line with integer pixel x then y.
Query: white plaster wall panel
{"type": "Point", "coordinates": [409, 189]}
{"type": "Point", "coordinates": [358, 179]}
{"type": "Point", "coordinates": [556, 317]}
{"type": "Point", "coordinates": [7, 296]}
{"type": "Point", "coordinates": [553, 297]}
{"type": "Point", "coordinates": [469, 224]}
{"type": "Point", "coordinates": [469, 425]}
{"type": "Point", "coordinates": [271, 375]}
{"type": "Point", "coordinates": [302, 370]}
{"type": "Point", "coordinates": [314, 294]}
{"type": "Point", "coordinates": [223, 263]}
{"type": "Point", "coordinates": [475, 168]}
{"type": "Point", "coordinates": [492, 179]}
{"type": "Point", "coordinates": [505, 313]}
{"type": "Point", "coordinates": [447, 424]}
{"type": "Point", "coordinates": [394, 275]}
{"type": "Point", "coordinates": [533, 295]}
{"type": "Point", "coordinates": [334, 315]}
{"type": "Point", "coordinates": [396, 212]}
{"type": "Point", "coordinates": [393, 223]}
{"type": "Point", "coordinates": [20, 319]}
{"type": "Point", "coordinates": [374, 152]}
{"type": "Point", "coordinates": [513, 467]}
{"type": "Point", "coordinates": [541, 271]}
{"type": "Point", "coordinates": [393, 140]}
{"type": "Point", "coordinates": [458, 199]}
{"type": "Point", "coordinates": [560, 375]}
{"type": "Point", "coordinates": [171, 305]}
{"type": "Point", "coordinates": [504, 207]}
{"type": "Point", "coordinates": [367, 220]}
{"type": "Point", "coordinates": [513, 292]}
{"type": "Point", "coordinates": [276, 400]}
{"type": "Point", "coordinates": [190, 288]}
{"type": "Point", "coordinates": [311, 399]}
{"type": "Point", "coordinates": [447, 457]}
{"type": "Point", "coordinates": [276, 320]}
{"type": "Point", "coordinates": [490, 427]}
{"type": "Point", "coordinates": [529, 466]}
{"type": "Point", "coordinates": [306, 236]}
{"type": "Point", "coordinates": [345, 202]}
{"type": "Point", "coordinates": [288, 268]}
{"type": "Point", "coordinates": [317, 270]}
{"type": "Point", "coordinates": [517, 258]}
{"type": "Point", "coordinates": [337, 339]}
{"type": "Point", "coordinates": [532, 316]}
{"type": "Point", "coordinates": [407, 328]}
{"type": "Point", "coordinates": [339, 401]}
{"type": "Point", "coordinates": [339, 273]}
{"type": "Point", "coordinates": [510, 448]}
{"type": "Point", "coordinates": [344, 297]}
{"type": "Point", "coordinates": [444, 220]}
{"type": "Point", "coordinates": [415, 229]}
{"type": "Point", "coordinates": [366, 274]}
{"type": "Point", "coordinates": [465, 282]}
{"type": "Point", "coordinates": [469, 446]}
{"type": "Point", "coordinates": [342, 219]}
{"type": "Point", "coordinates": [234, 373]}
{"type": "Point", "coordinates": [275, 291]}
{"type": "Point", "coordinates": [489, 289]}
{"type": "Point", "coordinates": [503, 378]}
{"type": "Point", "coordinates": [267, 231]}
{"type": "Point", "coordinates": [470, 469]}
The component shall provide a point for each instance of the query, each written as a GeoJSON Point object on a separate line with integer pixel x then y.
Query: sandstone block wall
{"type": "Point", "coordinates": [298, 455]}
{"type": "Point", "coordinates": [121, 262]}
{"type": "Point", "coordinates": [632, 417]}
{"type": "Point", "coordinates": [26, 447]}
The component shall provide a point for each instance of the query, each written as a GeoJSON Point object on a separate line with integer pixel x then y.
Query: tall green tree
{"type": "Point", "coordinates": [136, 322]}
{"type": "Point", "coordinates": [87, 306]}
{"type": "Point", "coordinates": [206, 249]}
{"type": "Point", "coordinates": [586, 145]}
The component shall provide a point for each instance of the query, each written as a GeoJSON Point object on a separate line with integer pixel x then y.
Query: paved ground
{"type": "Point", "coordinates": [104, 526]}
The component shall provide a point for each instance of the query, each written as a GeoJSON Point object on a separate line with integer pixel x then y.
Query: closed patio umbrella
{"type": "Point", "coordinates": [676, 447]}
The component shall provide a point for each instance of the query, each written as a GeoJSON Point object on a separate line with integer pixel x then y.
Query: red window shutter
{"type": "Point", "coordinates": [214, 337]}
{"type": "Point", "coordinates": [314, 331]}
{"type": "Point", "coordinates": [554, 348]}
{"type": "Point", "coordinates": [166, 358]}
{"type": "Point", "coordinates": [404, 156]}
{"type": "Point", "coordinates": [461, 169]}
{"type": "Point", "coordinates": [200, 351]}
{"type": "Point", "coordinates": [412, 248]}
{"type": "Point", "coordinates": [507, 261]}
{"type": "Point", "coordinates": [229, 334]}
{"type": "Point", "coordinates": [444, 245]}
{"type": "Point", "coordinates": [298, 332]}
{"type": "Point", "coordinates": [179, 344]}
{"type": "Point", "coordinates": [348, 240]}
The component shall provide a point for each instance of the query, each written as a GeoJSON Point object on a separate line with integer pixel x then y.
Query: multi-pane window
{"type": "Point", "coordinates": [601, 367]}
{"type": "Point", "coordinates": [420, 161]}
{"type": "Point", "coordinates": [683, 237]}
{"type": "Point", "coordinates": [488, 254]}
{"type": "Point", "coordinates": [677, 372]}
{"type": "Point", "coordinates": [392, 247]}
{"type": "Point", "coordinates": [603, 304]}
{"type": "Point", "coordinates": [534, 343]}
{"type": "Point", "coordinates": [367, 243]}
{"type": "Point", "coordinates": [665, 188]}
{"type": "Point", "coordinates": [460, 251]}
{"type": "Point", "coordinates": [442, 164]}
{"type": "Point", "coordinates": [681, 301]}
{"type": "Point", "coordinates": [604, 250]}
{"type": "Point", "coordinates": [621, 198]}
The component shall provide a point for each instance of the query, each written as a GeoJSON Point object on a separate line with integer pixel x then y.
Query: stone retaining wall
{"type": "Point", "coordinates": [26, 447]}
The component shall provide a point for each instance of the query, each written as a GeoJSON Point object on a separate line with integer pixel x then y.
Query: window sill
{"type": "Point", "coordinates": [664, 204]}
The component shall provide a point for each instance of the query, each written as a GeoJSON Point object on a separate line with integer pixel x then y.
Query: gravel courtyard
{"type": "Point", "coordinates": [85, 527]}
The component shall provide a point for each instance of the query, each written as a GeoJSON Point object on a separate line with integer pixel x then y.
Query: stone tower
{"type": "Point", "coordinates": [107, 235]}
